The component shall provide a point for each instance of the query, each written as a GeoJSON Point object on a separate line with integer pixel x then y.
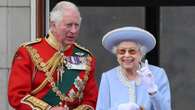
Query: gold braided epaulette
{"type": "Point", "coordinates": [83, 48]}
{"type": "Point", "coordinates": [30, 42]}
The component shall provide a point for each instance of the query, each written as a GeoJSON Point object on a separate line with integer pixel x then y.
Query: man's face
{"type": "Point", "coordinates": [67, 30]}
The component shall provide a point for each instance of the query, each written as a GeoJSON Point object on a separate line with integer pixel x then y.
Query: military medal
{"type": "Point", "coordinates": [76, 62]}
{"type": "Point", "coordinates": [79, 53]}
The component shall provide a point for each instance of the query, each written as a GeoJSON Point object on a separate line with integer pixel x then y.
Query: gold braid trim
{"type": "Point", "coordinates": [57, 60]}
{"type": "Point", "coordinates": [77, 45]}
{"type": "Point", "coordinates": [84, 107]}
{"type": "Point", "coordinates": [37, 61]}
{"type": "Point", "coordinates": [35, 103]}
{"type": "Point", "coordinates": [48, 68]}
{"type": "Point", "coordinates": [51, 40]}
{"type": "Point", "coordinates": [40, 87]}
{"type": "Point", "coordinates": [31, 42]}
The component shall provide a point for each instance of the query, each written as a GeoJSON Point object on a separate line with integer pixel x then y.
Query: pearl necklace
{"type": "Point", "coordinates": [130, 84]}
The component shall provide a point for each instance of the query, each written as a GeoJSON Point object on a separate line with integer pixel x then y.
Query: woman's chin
{"type": "Point", "coordinates": [127, 67]}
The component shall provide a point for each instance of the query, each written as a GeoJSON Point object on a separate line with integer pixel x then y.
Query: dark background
{"type": "Point", "coordinates": [172, 23]}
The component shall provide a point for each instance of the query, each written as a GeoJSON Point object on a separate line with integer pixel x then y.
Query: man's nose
{"type": "Point", "coordinates": [74, 28]}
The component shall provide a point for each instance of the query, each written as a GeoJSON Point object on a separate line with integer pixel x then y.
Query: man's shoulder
{"type": "Point", "coordinates": [30, 43]}
{"type": "Point", "coordinates": [22, 46]}
{"type": "Point", "coordinates": [81, 49]}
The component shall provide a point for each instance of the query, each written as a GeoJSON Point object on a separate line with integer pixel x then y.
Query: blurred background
{"type": "Point", "coordinates": [171, 21]}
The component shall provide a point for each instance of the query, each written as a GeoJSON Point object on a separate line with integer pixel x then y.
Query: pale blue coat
{"type": "Point", "coordinates": [113, 92]}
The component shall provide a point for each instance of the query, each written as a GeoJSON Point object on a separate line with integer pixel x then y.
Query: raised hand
{"type": "Point", "coordinates": [147, 78]}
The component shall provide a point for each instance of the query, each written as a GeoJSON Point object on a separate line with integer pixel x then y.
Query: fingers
{"type": "Point", "coordinates": [146, 63]}
{"type": "Point", "coordinates": [145, 71]}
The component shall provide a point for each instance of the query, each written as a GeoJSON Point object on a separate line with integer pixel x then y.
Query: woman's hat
{"type": "Point", "coordinates": [134, 34]}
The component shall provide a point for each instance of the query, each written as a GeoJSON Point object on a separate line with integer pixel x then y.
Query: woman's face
{"type": "Point", "coordinates": [128, 55]}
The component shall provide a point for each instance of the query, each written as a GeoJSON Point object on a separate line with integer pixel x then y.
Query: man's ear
{"type": "Point", "coordinates": [52, 24]}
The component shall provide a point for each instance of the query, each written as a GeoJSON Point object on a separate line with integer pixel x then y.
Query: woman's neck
{"type": "Point", "coordinates": [130, 74]}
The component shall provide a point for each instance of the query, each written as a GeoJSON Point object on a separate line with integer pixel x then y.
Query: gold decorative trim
{"type": "Point", "coordinates": [31, 42]}
{"type": "Point", "coordinates": [51, 40]}
{"type": "Point", "coordinates": [36, 60]}
{"type": "Point", "coordinates": [40, 87]}
{"type": "Point", "coordinates": [84, 107]}
{"type": "Point", "coordinates": [77, 45]}
{"type": "Point", "coordinates": [56, 61]}
{"type": "Point", "coordinates": [35, 103]}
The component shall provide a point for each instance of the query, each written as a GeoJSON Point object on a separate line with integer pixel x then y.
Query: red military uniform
{"type": "Point", "coordinates": [42, 77]}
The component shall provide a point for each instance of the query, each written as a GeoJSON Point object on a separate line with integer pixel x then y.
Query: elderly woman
{"type": "Point", "coordinates": [133, 85]}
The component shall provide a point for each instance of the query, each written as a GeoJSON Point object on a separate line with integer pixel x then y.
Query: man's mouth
{"type": "Point", "coordinates": [70, 38]}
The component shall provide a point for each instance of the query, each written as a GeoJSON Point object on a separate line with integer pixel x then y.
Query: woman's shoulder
{"type": "Point", "coordinates": [110, 76]}
{"type": "Point", "coordinates": [157, 71]}
{"type": "Point", "coordinates": [111, 72]}
{"type": "Point", "coordinates": [153, 67]}
{"type": "Point", "coordinates": [156, 68]}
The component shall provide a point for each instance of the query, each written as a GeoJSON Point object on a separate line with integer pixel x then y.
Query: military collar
{"type": "Point", "coordinates": [54, 43]}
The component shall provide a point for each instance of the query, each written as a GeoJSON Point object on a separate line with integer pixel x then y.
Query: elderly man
{"type": "Point", "coordinates": [54, 73]}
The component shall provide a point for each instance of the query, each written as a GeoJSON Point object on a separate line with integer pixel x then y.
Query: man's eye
{"type": "Point", "coordinates": [68, 25]}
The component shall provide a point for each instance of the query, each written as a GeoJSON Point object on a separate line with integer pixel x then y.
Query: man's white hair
{"type": "Point", "coordinates": [59, 10]}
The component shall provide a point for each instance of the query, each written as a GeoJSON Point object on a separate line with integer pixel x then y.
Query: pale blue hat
{"type": "Point", "coordinates": [134, 34]}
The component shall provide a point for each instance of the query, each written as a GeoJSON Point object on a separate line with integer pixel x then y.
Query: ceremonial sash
{"type": "Point", "coordinates": [70, 78]}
